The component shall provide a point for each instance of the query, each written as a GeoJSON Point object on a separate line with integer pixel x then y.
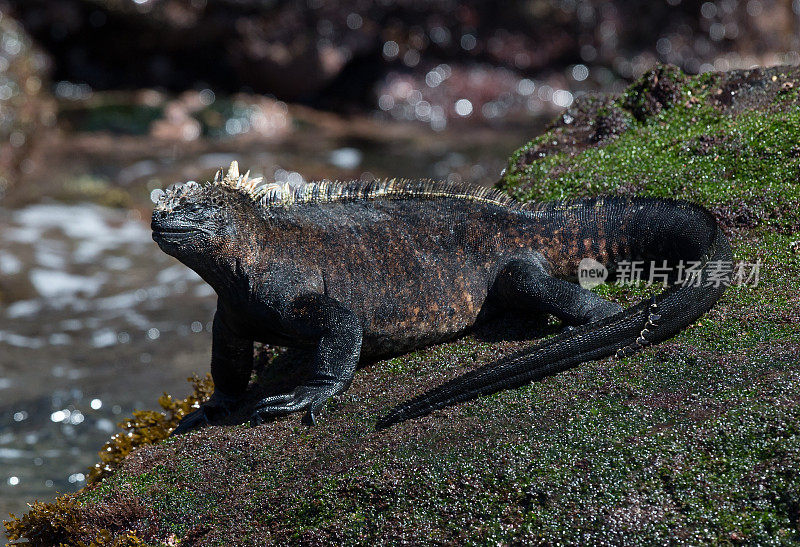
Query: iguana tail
{"type": "Point", "coordinates": [648, 322]}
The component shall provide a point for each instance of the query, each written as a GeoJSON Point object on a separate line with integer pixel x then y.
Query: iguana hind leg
{"type": "Point", "coordinates": [525, 285]}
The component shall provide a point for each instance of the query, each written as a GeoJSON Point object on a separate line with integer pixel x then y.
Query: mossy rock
{"type": "Point", "coordinates": [695, 440]}
{"type": "Point", "coordinates": [730, 141]}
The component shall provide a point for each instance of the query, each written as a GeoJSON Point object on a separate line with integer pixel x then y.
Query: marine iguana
{"type": "Point", "coordinates": [380, 268]}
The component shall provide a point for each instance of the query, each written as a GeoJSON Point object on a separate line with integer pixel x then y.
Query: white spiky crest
{"type": "Point", "coordinates": [282, 194]}
{"type": "Point", "coordinates": [234, 180]}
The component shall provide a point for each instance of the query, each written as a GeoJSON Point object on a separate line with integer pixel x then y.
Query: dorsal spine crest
{"type": "Point", "coordinates": [275, 194]}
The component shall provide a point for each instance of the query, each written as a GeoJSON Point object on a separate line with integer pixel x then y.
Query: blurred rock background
{"type": "Point", "coordinates": [436, 62]}
{"type": "Point", "coordinates": [26, 106]}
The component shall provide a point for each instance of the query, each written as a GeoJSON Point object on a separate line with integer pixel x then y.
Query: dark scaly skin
{"type": "Point", "coordinates": [376, 277]}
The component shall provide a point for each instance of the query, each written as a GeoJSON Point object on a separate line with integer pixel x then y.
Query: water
{"type": "Point", "coordinates": [102, 323]}
{"type": "Point", "coordinates": [95, 321]}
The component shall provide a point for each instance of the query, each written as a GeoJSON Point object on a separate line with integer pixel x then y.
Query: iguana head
{"type": "Point", "coordinates": [196, 223]}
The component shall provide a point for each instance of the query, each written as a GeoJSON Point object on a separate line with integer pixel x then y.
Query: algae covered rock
{"type": "Point", "coordinates": [726, 140]}
{"type": "Point", "coordinates": [695, 440]}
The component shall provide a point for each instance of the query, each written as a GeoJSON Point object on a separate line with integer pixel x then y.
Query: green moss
{"type": "Point", "coordinates": [413, 363]}
{"type": "Point", "coordinates": [693, 150]}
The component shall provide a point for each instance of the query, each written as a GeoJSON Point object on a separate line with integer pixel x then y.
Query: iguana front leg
{"type": "Point", "coordinates": [338, 333]}
{"type": "Point", "coordinates": [231, 365]}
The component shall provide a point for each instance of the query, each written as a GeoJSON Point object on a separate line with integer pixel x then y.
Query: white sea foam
{"type": "Point", "coordinates": [20, 341]}
{"type": "Point", "coordinates": [9, 264]}
{"type": "Point", "coordinates": [23, 308]}
{"type": "Point", "coordinates": [55, 283]}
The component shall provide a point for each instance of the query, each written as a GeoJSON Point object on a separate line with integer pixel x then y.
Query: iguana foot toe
{"type": "Point", "coordinates": [217, 407]}
{"type": "Point", "coordinates": [310, 417]}
{"type": "Point", "coordinates": [310, 398]}
{"type": "Point", "coordinates": [193, 420]}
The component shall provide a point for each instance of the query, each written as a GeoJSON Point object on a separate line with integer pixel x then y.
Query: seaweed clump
{"type": "Point", "coordinates": [149, 427]}
{"type": "Point", "coordinates": [58, 523]}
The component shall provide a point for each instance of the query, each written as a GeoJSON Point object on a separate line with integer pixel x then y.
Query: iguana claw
{"type": "Point", "coordinates": [193, 420]}
{"type": "Point", "coordinates": [219, 406]}
{"type": "Point", "coordinates": [310, 417]}
{"type": "Point", "coordinates": [310, 398]}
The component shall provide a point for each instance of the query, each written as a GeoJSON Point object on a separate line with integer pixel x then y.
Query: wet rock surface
{"type": "Point", "coordinates": [594, 120]}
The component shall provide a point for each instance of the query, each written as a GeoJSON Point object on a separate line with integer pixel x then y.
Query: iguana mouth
{"type": "Point", "coordinates": [175, 232]}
